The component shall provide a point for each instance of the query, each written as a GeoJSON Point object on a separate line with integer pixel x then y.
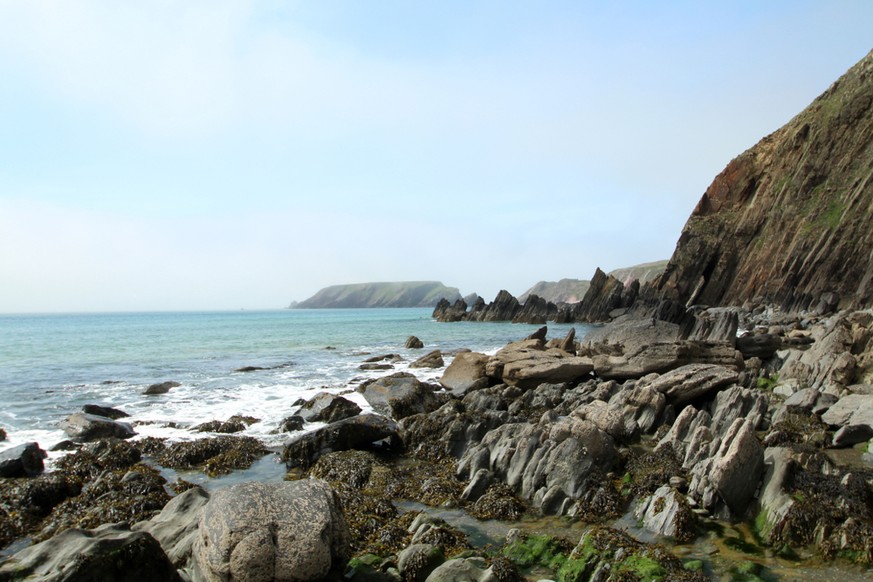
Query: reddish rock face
{"type": "Point", "coordinates": [790, 220]}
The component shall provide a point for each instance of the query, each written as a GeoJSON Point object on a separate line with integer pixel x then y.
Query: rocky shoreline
{"type": "Point", "coordinates": [740, 429]}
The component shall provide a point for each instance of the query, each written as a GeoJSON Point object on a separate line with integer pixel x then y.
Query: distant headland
{"type": "Point", "coordinates": [364, 295]}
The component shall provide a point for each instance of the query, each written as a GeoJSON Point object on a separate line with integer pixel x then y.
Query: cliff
{"type": "Point", "coordinates": [400, 294]}
{"type": "Point", "coordinates": [790, 221]}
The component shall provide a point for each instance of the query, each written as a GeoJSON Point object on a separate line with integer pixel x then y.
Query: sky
{"type": "Point", "coordinates": [213, 154]}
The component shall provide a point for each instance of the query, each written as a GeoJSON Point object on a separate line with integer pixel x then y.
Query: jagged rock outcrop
{"type": "Point", "coordinates": [505, 307]}
{"type": "Point", "coordinates": [605, 295]}
{"type": "Point", "coordinates": [789, 221]}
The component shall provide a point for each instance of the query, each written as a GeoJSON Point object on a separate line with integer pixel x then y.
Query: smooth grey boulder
{"type": "Point", "coordinates": [399, 395]}
{"type": "Point", "coordinates": [357, 432]}
{"type": "Point", "coordinates": [462, 570]}
{"type": "Point", "coordinates": [433, 359]}
{"type": "Point", "coordinates": [326, 407]}
{"type": "Point", "coordinates": [109, 553]}
{"type": "Point", "coordinates": [175, 527]}
{"type": "Point", "coordinates": [693, 381]}
{"type": "Point", "coordinates": [25, 460]}
{"type": "Point", "coordinates": [465, 373]}
{"type": "Point", "coordinates": [849, 410]}
{"type": "Point", "coordinates": [527, 364]}
{"type": "Point", "coordinates": [88, 427]}
{"type": "Point", "coordinates": [667, 513]}
{"type": "Point", "coordinates": [264, 532]}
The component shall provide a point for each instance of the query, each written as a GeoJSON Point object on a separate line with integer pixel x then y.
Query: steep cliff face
{"type": "Point", "coordinates": [789, 221]}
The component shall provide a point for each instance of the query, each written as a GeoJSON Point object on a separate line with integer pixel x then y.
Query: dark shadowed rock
{"type": "Point", "coordinates": [605, 294]}
{"type": "Point", "coordinates": [762, 345]}
{"type": "Point", "coordinates": [88, 427]}
{"type": "Point", "coordinates": [466, 372]}
{"type": "Point", "coordinates": [112, 413]}
{"type": "Point", "coordinates": [413, 343]}
{"type": "Point", "coordinates": [161, 388]}
{"type": "Point", "coordinates": [326, 407]}
{"type": "Point", "coordinates": [291, 423]}
{"type": "Point", "coordinates": [536, 310]}
{"type": "Point", "coordinates": [399, 395]}
{"type": "Point", "coordinates": [432, 360]}
{"type": "Point", "coordinates": [852, 435]}
{"type": "Point", "coordinates": [235, 423]}
{"type": "Point", "coordinates": [292, 531]}
{"type": "Point", "coordinates": [504, 308]}
{"type": "Point", "coordinates": [358, 432]}
{"type": "Point", "coordinates": [22, 461]}
{"type": "Point", "coordinates": [109, 553]}
{"type": "Point", "coordinates": [450, 312]}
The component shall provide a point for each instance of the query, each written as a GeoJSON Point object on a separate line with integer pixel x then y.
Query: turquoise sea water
{"type": "Point", "coordinates": [50, 365]}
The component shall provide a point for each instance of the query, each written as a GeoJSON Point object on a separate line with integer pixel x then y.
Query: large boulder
{"type": "Point", "coordinates": [466, 372]}
{"type": "Point", "coordinates": [109, 553]}
{"type": "Point", "coordinates": [22, 461]}
{"type": "Point", "coordinates": [264, 532]}
{"type": "Point", "coordinates": [88, 427]}
{"type": "Point", "coordinates": [413, 343]}
{"type": "Point", "coordinates": [399, 395]}
{"type": "Point", "coordinates": [358, 432]}
{"type": "Point", "coordinates": [433, 359]}
{"type": "Point", "coordinates": [527, 364]}
{"type": "Point", "coordinates": [693, 381]}
{"type": "Point", "coordinates": [853, 409]}
{"type": "Point", "coordinates": [326, 407]}
{"type": "Point", "coordinates": [175, 527]}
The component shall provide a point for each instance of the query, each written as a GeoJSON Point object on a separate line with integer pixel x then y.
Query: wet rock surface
{"type": "Point", "coordinates": [109, 552]}
{"type": "Point", "coordinates": [81, 426]}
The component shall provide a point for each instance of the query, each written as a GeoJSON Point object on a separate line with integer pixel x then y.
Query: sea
{"type": "Point", "coordinates": [53, 364]}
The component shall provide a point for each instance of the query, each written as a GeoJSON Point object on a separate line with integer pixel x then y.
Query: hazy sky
{"type": "Point", "coordinates": [218, 155]}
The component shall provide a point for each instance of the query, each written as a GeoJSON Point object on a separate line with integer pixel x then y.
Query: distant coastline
{"type": "Point", "coordinates": [385, 294]}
